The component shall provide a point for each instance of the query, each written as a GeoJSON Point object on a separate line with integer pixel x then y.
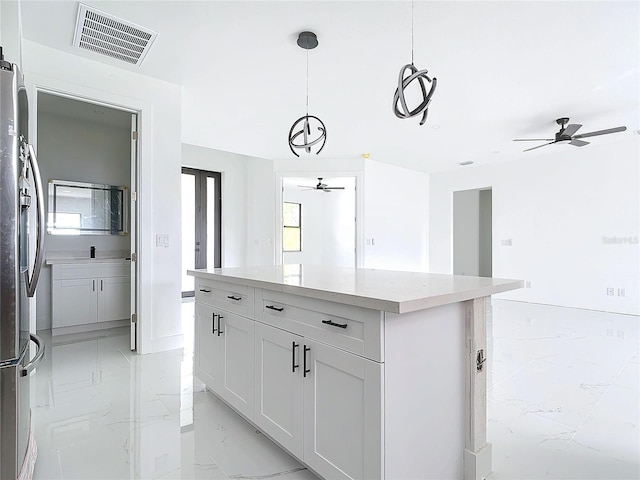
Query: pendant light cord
{"type": "Point", "coordinates": [307, 81]}
{"type": "Point", "coordinates": [412, 4]}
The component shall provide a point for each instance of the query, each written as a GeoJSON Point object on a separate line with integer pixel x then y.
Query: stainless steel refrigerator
{"type": "Point", "coordinates": [20, 192]}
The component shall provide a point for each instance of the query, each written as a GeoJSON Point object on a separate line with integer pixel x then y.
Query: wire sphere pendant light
{"type": "Point", "coordinates": [400, 107]}
{"type": "Point", "coordinates": [300, 134]}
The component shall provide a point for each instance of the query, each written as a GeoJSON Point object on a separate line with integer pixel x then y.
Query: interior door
{"type": "Point", "coordinates": [133, 223]}
{"type": "Point", "coordinates": [201, 223]}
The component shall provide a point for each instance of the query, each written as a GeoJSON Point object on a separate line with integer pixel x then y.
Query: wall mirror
{"type": "Point", "coordinates": [77, 208]}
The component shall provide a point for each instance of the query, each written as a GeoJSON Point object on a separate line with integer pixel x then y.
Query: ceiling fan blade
{"type": "Point", "coordinates": [539, 146]}
{"type": "Point", "coordinates": [533, 139]}
{"type": "Point", "coordinates": [334, 188]}
{"type": "Point", "coordinates": [601, 132]}
{"type": "Point", "coordinates": [578, 143]}
{"type": "Point", "coordinates": [571, 129]}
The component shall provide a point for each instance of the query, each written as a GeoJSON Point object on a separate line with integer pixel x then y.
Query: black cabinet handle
{"type": "Point", "coordinates": [294, 365]}
{"type": "Point", "coordinates": [277, 309]}
{"type": "Point", "coordinates": [304, 361]}
{"type": "Point", "coordinates": [205, 290]}
{"type": "Point", "coordinates": [213, 323]}
{"type": "Point", "coordinates": [237, 299]}
{"type": "Point", "coordinates": [333, 324]}
{"type": "Point", "coordinates": [219, 318]}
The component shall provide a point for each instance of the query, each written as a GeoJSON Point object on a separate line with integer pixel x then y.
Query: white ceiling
{"type": "Point", "coordinates": [505, 69]}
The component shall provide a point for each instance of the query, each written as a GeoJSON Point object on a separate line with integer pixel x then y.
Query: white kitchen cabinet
{"type": "Point", "coordinates": [90, 295]}
{"type": "Point", "coordinates": [237, 334]}
{"type": "Point", "coordinates": [366, 374]}
{"type": "Point", "coordinates": [207, 352]}
{"type": "Point", "coordinates": [342, 413]}
{"type": "Point", "coordinates": [278, 386]}
{"type": "Point", "coordinates": [321, 403]}
{"type": "Point", "coordinates": [224, 352]}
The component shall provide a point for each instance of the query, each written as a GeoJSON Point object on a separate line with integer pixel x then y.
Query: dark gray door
{"type": "Point", "coordinates": [201, 223]}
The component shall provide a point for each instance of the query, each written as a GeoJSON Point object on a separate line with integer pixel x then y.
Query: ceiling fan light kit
{"type": "Point", "coordinates": [300, 136]}
{"type": "Point", "coordinates": [408, 74]}
{"type": "Point", "coordinates": [567, 134]}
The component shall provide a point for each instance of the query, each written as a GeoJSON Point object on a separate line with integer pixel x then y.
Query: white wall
{"type": "Point", "coordinates": [10, 31]}
{"type": "Point", "coordinates": [82, 151]}
{"type": "Point", "coordinates": [247, 203]}
{"type": "Point", "coordinates": [392, 209]}
{"type": "Point", "coordinates": [560, 210]}
{"type": "Point", "coordinates": [159, 104]}
{"type": "Point", "coordinates": [396, 215]}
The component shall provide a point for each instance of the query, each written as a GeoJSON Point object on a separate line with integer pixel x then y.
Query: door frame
{"type": "Point", "coordinates": [134, 167]}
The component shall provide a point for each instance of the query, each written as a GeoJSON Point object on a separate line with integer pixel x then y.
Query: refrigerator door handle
{"type": "Point", "coordinates": [37, 359]}
{"type": "Point", "coordinates": [37, 264]}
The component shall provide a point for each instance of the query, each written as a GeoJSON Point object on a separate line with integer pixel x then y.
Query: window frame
{"type": "Point", "coordinates": [293, 227]}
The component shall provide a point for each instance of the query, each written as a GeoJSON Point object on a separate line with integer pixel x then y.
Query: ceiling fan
{"type": "Point", "coordinates": [321, 186]}
{"type": "Point", "coordinates": [567, 135]}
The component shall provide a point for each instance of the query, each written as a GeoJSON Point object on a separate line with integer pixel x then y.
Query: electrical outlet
{"type": "Point", "coordinates": [507, 242]}
{"type": "Point", "coordinates": [610, 292]}
{"type": "Point", "coordinates": [621, 292]}
{"type": "Point", "coordinates": [527, 284]}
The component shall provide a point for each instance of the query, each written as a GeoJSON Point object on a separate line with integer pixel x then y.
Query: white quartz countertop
{"type": "Point", "coordinates": [85, 260]}
{"type": "Point", "coordinates": [390, 291]}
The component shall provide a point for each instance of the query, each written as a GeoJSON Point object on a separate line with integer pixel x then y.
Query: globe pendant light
{"type": "Point", "coordinates": [300, 134]}
{"type": "Point", "coordinates": [400, 107]}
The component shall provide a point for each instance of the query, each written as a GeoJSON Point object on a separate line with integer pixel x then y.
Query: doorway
{"type": "Point", "coordinates": [318, 221]}
{"type": "Point", "coordinates": [91, 142]}
{"type": "Point", "coordinates": [201, 223]}
{"type": "Point", "coordinates": [472, 232]}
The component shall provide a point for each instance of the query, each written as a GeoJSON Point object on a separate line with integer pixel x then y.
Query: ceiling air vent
{"type": "Point", "coordinates": [111, 36]}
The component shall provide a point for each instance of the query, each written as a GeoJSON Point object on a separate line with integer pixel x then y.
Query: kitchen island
{"type": "Point", "coordinates": [358, 373]}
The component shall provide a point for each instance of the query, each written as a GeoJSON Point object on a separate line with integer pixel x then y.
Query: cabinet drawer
{"type": "Point", "coordinates": [227, 296]}
{"type": "Point", "coordinates": [354, 329]}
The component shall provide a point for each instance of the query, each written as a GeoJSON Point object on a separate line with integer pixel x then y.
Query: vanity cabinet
{"type": "Point", "coordinates": [93, 295]}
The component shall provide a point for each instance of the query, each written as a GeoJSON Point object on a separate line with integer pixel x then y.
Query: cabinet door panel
{"type": "Point", "coordinates": [342, 414]}
{"type": "Point", "coordinates": [114, 298]}
{"type": "Point", "coordinates": [207, 355]}
{"type": "Point", "coordinates": [237, 342]}
{"type": "Point", "coordinates": [74, 302]}
{"type": "Point", "coordinates": [278, 387]}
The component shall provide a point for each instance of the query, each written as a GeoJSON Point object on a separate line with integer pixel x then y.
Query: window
{"type": "Point", "coordinates": [292, 222]}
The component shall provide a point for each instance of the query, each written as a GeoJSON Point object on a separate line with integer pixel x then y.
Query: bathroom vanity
{"type": "Point", "coordinates": [358, 373]}
{"type": "Point", "coordinates": [89, 294]}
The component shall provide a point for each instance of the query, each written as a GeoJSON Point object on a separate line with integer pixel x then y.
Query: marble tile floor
{"type": "Point", "coordinates": [563, 404]}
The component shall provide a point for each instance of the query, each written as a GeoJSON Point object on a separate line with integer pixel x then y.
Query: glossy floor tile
{"type": "Point", "coordinates": [563, 393]}
{"type": "Point", "coordinates": [563, 404]}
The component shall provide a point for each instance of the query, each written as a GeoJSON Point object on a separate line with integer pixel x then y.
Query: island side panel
{"type": "Point", "coordinates": [424, 393]}
{"type": "Point", "coordinates": [478, 453]}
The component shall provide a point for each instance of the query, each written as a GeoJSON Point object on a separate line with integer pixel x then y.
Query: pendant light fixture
{"type": "Point", "coordinates": [300, 133]}
{"type": "Point", "coordinates": [402, 110]}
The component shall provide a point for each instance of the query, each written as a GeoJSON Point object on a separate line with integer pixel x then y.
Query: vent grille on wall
{"type": "Point", "coordinates": [107, 35]}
